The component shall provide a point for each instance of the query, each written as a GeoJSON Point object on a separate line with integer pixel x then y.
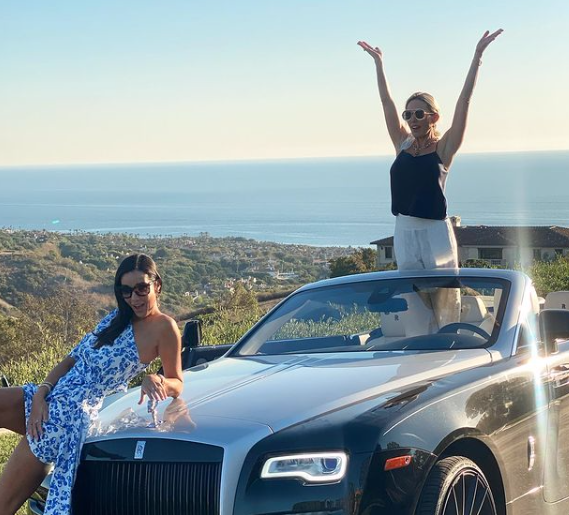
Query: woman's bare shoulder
{"type": "Point", "coordinates": [167, 324]}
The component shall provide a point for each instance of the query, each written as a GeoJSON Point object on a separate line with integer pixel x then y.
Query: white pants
{"type": "Point", "coordinates": [422, 244]}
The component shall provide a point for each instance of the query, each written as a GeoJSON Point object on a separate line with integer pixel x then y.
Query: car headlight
{"type": "Point", "coordinates": [320, 467]}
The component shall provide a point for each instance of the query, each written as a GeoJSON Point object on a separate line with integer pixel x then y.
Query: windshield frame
{"type": "Point", "coordinates": [499, 311]}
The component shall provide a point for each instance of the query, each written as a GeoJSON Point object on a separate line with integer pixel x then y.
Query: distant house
{"type": "Point", "coordinates": [497, 245]}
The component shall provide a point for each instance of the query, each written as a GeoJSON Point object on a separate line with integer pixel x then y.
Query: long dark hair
{"type": "Point", "coordinates": [138, 262]}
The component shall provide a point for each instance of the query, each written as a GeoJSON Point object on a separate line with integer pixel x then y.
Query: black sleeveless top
{"type": "Point", "coordinates": [418, 186]}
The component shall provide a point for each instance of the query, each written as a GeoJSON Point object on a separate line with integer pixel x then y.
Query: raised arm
{"type": "Point", "coordinates": [397, 131]}
{"type": "Point", "coordinates": [452, 139]}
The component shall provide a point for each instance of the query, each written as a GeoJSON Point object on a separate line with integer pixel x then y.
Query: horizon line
{"type": "Point", "coordinates": [248, 159]}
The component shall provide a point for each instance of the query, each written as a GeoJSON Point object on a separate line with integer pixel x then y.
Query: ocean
{"type": "Point", "coordinates": [321, 202]}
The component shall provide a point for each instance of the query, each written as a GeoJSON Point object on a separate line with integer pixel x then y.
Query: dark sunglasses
{"type": "Point", "coordinates": [141, 289]}
{"type": "Point", "coordinates": [419, 114]}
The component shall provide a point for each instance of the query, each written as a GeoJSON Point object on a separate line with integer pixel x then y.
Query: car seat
{"type": "Point", "coordinates": [557, 300]}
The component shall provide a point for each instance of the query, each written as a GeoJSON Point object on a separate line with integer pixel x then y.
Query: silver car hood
{"type": "Point", "coordinates": [250, 397]}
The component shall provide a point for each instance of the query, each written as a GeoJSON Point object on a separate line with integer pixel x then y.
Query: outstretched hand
{"type": "Point", "coordinates": [153, 388]}
{"type": "Point", "coordinates": [374, 52]}
{"type": "Point", "coordinates": [486, 39]}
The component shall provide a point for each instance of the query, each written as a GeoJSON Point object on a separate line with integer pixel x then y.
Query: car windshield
{"type": "Point", "coordinates": [435, 313]}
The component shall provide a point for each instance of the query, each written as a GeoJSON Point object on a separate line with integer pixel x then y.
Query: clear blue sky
{"type": "Point", "coordinates": [134, 81]}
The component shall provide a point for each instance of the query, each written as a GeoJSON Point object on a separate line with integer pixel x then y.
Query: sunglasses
{"type": "Point", "coordinates": [419, 114]}
{"type": "Point", "coordinates": [141, 289]}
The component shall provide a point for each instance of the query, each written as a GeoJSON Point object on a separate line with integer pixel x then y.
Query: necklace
{"type": "Point", "coordinates": [417, 148]}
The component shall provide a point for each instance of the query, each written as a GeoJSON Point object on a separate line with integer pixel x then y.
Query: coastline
{"type": "Point", "coordinates": [335, 202]}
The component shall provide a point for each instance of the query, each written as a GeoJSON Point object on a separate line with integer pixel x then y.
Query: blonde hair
{"type": "Point", "coordinates": [431, 103]}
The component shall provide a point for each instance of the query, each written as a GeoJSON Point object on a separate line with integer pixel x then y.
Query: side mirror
{"type": "Point", "coordinates": [553, 326]}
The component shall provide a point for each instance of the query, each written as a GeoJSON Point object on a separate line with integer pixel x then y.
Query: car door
{"type": "Point", "coordinates": [556, 474]}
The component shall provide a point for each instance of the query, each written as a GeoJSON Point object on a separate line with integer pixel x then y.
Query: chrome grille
{"type": "Point", "coordinates": [128, 487]}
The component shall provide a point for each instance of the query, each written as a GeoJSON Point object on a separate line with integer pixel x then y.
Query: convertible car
{"type": "Point", "coordinates": [428, 393]}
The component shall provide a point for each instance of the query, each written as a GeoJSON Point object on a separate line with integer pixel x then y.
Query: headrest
{"type": "Point", "coordinates": [557, 300]}
{"type": "Point", "coordinates": [472, 309]}
{"type": "Point", "coordinates": [392, 324]}
{"type": "Point", "coordinates": [497, 298]}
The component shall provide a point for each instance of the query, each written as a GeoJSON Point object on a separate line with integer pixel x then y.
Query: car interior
{"type": "Point", "coordinates": [400, 315]}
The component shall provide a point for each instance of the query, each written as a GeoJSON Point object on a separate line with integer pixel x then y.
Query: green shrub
{"type": "Point", "coordinates": [37, 366]}
{"type": "Point", "coordinates": [476, 263]}
{"type": "Point", "coordinates": [42, 334]}
{"type": "Point", "coordinates": [349, 323]}
{"type": "Point", "coordinates": [550, 275]}
{"type": "Point", "coordinates": [361, 261]}
{"type": "Point", "coordinates": [235, 314]}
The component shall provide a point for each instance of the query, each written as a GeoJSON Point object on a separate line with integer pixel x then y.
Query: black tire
{"type": "Point", "coordinates": [456, 486]}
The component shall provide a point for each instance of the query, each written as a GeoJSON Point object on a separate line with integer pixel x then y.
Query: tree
{"type": "Point", "coordinates": [361, 261]}
{"type": "Point", "coordinates": [235, 314]}
{"type": "Point", "coordinates": [550, 275]}
{"type": "Point", "coordinates": [44, 331]}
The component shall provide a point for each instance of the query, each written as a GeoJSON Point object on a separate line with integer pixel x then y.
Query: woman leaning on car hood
{"type": "Point", "coordinates": [55, 416]}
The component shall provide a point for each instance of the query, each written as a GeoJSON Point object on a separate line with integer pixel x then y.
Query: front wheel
{"type": "Point", "coordinates": [456, 486]}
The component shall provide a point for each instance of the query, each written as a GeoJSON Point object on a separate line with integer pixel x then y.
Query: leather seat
{"type": "Point", "coordinates": [472, 310]}
{"type": "Point", "coordinates": [557, 300]}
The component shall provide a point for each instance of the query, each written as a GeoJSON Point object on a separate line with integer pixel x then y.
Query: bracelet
{"type": "Point", "coordinates": [48, 385]}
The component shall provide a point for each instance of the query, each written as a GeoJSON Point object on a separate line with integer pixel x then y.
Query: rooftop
{"type": "Point", "coordinates": [505, 236]}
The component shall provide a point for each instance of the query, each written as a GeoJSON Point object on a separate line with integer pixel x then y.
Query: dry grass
{"type": "Point", "coordinates": [7, 443]}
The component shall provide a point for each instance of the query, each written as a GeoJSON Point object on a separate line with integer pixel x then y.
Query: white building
{"type": "Point", "coordinates": [496, 245]}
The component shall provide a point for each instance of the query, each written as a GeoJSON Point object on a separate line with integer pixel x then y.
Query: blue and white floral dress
{"type": "Point", "coordinates": [74, 404]}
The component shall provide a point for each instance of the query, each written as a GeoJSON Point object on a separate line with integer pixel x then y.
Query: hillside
{"type": "Point", "coordinates": [197, 270]}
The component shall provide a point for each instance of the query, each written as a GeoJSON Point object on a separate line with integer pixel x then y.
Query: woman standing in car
{"type": "Point", "coordinates": [424, 238]}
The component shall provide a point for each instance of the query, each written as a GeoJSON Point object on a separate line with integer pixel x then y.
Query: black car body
{"type": "Point", "coordinates": [350, 397]}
